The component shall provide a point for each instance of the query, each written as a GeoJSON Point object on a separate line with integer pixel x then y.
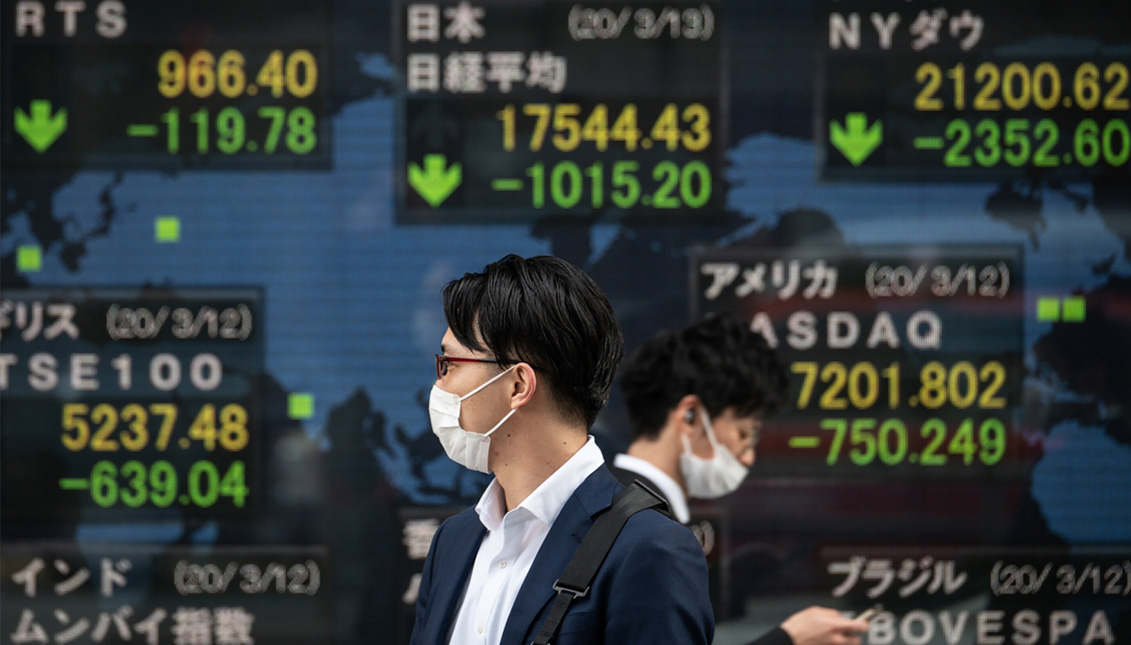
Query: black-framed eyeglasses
{"type": "Point", "coordinates": [442, 362]}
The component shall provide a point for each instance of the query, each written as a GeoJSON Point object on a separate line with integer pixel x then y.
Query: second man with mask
{"type": "Point", "coordinates": [696, 399]}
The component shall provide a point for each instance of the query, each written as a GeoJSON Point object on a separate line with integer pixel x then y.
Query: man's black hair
{"type": "Point", "coordinates": [719, 359]}
{"type": "Point", "coordinates": [546, 312]}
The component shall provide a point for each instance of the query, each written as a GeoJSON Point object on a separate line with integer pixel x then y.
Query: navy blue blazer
{"type": "Point", "coordinates": [651, 589]}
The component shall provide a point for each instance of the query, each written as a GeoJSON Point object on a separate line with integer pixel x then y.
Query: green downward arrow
{"type": "Point", "coordinates": [856, 140]}
{"type": "Point", "coordinates": [41, 129]}
{"type": "Point", "coordinates": [435, 182]}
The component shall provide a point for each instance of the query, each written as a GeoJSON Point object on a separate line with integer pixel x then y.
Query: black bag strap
{"type": "Point", "coordinates": [582, 568]}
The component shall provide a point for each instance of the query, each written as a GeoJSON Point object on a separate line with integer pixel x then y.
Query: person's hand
{"type": "Point", "coordinates": [823, 626]}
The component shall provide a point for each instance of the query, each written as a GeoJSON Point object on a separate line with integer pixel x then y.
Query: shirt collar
{"type": "Point", "coordinates": [677, 501]}
{"type": "Point", "coordinates": [548, 500]}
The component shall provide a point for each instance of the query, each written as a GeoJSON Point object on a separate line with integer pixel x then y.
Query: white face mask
{"type": "Point", "coordinates": [714, 477]}
{"type": "Point", "coordinates": [468, 449]}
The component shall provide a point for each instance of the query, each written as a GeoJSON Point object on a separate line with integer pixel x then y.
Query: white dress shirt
{"type": "Point", "coordinates": [677, 501]}
{"type": "Point", "coordinates": [510, 545]}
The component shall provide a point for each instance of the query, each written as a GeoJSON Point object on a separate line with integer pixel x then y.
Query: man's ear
{"type": "Point", "coordinates": [687, 414]}
{"type": "Point", "coordinates": [525, 385]}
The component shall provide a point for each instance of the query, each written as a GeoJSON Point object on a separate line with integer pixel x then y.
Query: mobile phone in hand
{"type": "Point", "coordinates": [870, 613]}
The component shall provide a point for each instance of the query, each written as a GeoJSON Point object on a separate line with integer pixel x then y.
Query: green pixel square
{"type": "Point", "coordinates": [300, 405]}
{"type": "Point", "coordinates": [1048, 309]}
{"type": "Point", "coordinates": [1074, 309]}
{"type": "Point", "coordinates": [168, 229]}
{"type": "Point", "coordinates": [29, 258]}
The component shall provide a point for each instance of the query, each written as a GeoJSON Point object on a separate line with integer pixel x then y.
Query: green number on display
{"type": "Point", "coordinates": [134, 484]}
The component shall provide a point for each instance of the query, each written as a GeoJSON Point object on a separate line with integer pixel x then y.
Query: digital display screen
{"type": "Point", "coordinates": [225, 229]}
{"type": "Point", "coordinates": [154, 397]}
{"type": "Point", "coordinates": [955, 93]}
{"type": "Point", "coordinates": [132, 87]}
{"type": "Point", "coordinates": [553, 108]}
{"type": "Point", "coordinates": [903, 361]}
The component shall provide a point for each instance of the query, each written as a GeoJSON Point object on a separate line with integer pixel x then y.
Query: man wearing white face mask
{"type": "Point", "coordinates": [696, 399]}
{"type": "Point", "coordinates": [526, 364]}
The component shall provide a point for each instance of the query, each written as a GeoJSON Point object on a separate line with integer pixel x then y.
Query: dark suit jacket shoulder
{"type": "Point", "coordinates": [777, 635]}
{"type": "Point", "coordinates": [626, 477]}
{"type": "Point", "coordinates": [652, 587]}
